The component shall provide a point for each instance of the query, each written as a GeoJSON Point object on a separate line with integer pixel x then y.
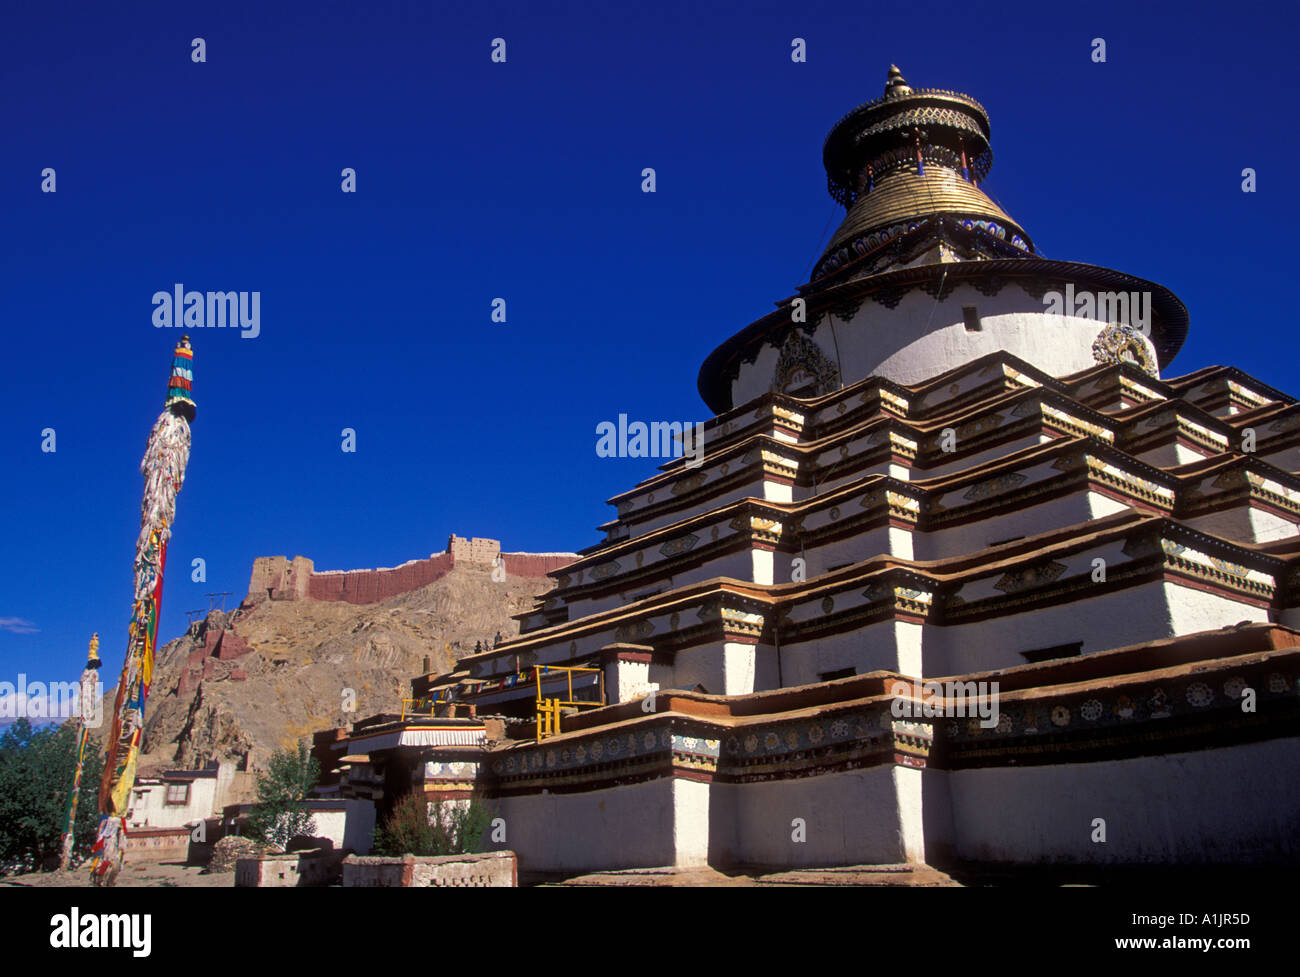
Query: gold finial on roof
{"type": "Point", "coordinates": [896, 84]}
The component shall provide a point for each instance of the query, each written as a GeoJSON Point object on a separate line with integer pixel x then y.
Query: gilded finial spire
{"type": "Point", "coordinates": [896, 84]}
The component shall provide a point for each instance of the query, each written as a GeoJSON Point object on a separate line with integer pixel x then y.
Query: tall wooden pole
{"type": "Point", "coordinates": [163, 468]}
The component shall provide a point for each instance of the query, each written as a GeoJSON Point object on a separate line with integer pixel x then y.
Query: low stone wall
{"type": "Point", "coordinates": [159, 843]}
{"type": "Point", "coordinates": [498, 869]}
{"type": "Point", "coordinates": [305, 868]}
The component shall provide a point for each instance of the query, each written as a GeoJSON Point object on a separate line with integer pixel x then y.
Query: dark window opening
{"type": "Point", "coordinates": [838, 673]}
{"type": "Point", "coordinates": [1056, 651]}
{"type": "Point", "coordinates": [1009, 539]}
{"type": "Point", "coordinates": [970, 315]}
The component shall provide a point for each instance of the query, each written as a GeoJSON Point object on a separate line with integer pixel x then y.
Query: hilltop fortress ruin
{"type": "Point", "coordinates": [279, 578]}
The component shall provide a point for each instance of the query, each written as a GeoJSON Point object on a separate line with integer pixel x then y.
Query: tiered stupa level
{"type": "Point", "coordinates": [919, 469]}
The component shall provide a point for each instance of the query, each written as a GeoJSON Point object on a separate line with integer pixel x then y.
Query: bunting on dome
{"type": "Point", "coordinates": [163, 467]}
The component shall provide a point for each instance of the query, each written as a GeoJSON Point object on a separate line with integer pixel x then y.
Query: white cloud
{"type": "Point", "coordinates": [18, 625]}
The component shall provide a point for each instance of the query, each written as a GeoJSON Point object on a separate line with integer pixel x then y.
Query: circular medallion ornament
{"type": "Point", "coordinates": [1121, 343]}
{"type": "Point", "coordinates": [1199, 694]}
{"type": "Point", "coordinates": [1060, 716]}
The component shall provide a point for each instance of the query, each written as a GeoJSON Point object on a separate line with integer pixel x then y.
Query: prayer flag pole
{"type": "Point", "coordinates": [163, 467]}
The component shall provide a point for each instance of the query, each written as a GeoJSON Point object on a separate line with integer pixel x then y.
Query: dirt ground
{"type": "Point", "coordinates": [139, 874]}
{"type": "Point", "coordinates": [149, 874]}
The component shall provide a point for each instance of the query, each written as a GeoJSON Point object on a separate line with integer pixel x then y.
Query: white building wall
{"type": "Point", "coordinates": [1171, 454]}
{"type": "Point", "coordinates": [1167, 809]}
{"type": "Point", "coordinates": [149, 807]}
{"type": "Point", "coordinates": [1194, 610]}
{"type": "Point", "coordinates": [632, 826]}
{"type": "Point", "coordinates": [1102, 622]}
{"type": "Point", "coordinates": [888, 645]}
{"type": "Point", "coordinates": [970, 537]}
{"type": "Point", "coordinates": [690, 823]}
{"type": "Point", "coordinates": [922, 338]}
{"type": "Point", "coordinates": [850, 818]}
{"type": "Point", "coordinates": [878, 541]}
{"type": "Point", "coordinates": [1245, 524]}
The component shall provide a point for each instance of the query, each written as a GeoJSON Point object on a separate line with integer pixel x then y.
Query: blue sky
{"type": "Point", "coordinates": [522, 181]}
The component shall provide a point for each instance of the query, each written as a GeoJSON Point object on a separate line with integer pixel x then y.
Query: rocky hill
{"type": "Point", "coordinates": [239, 685]}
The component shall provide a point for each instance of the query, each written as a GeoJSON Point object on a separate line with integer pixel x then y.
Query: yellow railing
{"type": "Point", "coordinates": [549, 709]}
{"type": "Point", "coordinates": [414, 706]}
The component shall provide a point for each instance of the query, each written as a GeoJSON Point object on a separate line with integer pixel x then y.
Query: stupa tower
{"type": "Point", "coordinates": [915, 279]}
{"type": "Point", "coordinates": [946, 458]}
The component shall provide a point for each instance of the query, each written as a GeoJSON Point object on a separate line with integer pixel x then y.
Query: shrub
{"type": "Point", "coordinates": [418, 827]}
{"type": "Point", "coordinates": [279, 815]}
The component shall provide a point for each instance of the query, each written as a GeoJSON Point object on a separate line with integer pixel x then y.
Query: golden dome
{"type": "Point", "coordinates": [904, 195]}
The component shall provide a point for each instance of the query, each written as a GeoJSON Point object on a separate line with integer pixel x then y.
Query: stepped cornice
{"type": "Point", "coordinates": [1148, 699]}
{"type": "Point", "coordinates": [1154, 547]}
{"type": "Point", "coordinates": [996, 487]}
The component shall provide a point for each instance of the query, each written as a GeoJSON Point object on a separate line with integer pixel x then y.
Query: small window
{"type": "Point", "coordinates": [970, 315]}
{"type": "Point", "coordinates": [1000, 542]}
{"type": "Point", "coordinates": [838, 673]}
{"type": "Point", "coordinates": [1056, 651]}
{"type": "Point", "coordinates": [178, 793]}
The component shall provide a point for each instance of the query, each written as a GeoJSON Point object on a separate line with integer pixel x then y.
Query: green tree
{"type": "Point", "coordinates": [36, 768]}
{"type": "Point", "coordinates": [418, 827]}
{"type": "Point", "coordinates": [279, 815]}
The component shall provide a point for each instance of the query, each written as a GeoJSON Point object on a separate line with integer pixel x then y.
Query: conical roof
{"type": "Point", "coordinates": [909, 156]}
{"type": "Point", "coordinates": [903, 196]}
